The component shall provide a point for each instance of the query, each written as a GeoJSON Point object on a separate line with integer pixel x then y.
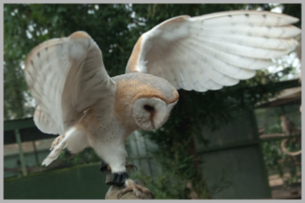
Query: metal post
{"type": "Point", "coordinates": [21, 155]}
{"type": "Point", "coordinates": [261, 155]}
{"type": "Point", "coordinates": [149, 160]}
{"type": "Point", "coordinates": [136, 144]}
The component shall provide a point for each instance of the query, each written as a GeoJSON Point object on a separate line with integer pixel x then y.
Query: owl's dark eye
{"type": "Point", "coordinates": [149, 108]}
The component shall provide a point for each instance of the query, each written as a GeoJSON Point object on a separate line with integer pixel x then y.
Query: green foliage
{"type": "Point", "coordinates": [27, 25]}
{"type": "Point", "coordinates": [276, 161]}
{"type": "Point", "coordinates": [294, 10]}
{"type": "Point", "coordinates": [165, 186]}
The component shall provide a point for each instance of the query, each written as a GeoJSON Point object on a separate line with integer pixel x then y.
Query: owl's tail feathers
{"type": "Point", "coordinates": [56, 149]}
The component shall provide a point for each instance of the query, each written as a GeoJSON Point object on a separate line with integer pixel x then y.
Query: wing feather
{"type": "Point", "coordinates": [215, 50]}
{"type": "Point", "coordinates": [66, 76]}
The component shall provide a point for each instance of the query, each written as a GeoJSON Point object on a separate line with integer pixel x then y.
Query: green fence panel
{"type": "Point", "coordinates": [233, 161]}
{"type": "Point", "coordinates": [236, 173]}
{"type": "Point", "coordinates": [82, 182]}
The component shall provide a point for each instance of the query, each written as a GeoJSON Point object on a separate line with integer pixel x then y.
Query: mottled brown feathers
{"type": "Point", "coordinates": [79, 34]}
{"type": "Point", "coordinates": [174, 20]}
{"type": "Point", "coordinates": [134, 58]}
{"type": "Point", "coordinates": [139, 85]}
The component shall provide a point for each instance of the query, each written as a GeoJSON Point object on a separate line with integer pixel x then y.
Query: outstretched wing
{"type": "Point", "coordinates": [66, 76]}
{"type": "Point", "coordinates": [215, 50]}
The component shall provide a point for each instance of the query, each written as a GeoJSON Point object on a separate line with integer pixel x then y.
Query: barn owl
{"type": "Point", "coordinates": [77, 99]}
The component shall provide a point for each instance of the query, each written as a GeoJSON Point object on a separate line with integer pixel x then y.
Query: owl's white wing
{"type": "Point", "coordinates": [65, 77]}
{"type": "Point", "coordinates": [215, 50]}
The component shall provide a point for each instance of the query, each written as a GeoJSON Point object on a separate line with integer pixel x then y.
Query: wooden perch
{"type": "Point", "coordinates": [279, 135]}
{"type": "Point", "coordinates": [284, 149]}
{"type": "Point", "coordinates": [283, 144]}
{"type": "Point", "coordinates": [271, 135]}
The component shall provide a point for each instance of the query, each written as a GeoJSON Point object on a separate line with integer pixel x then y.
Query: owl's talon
{"type": "Point", "coordinates": [131, 186]}
{"type": "Point", "coordinates": [131, 166]}
{"type": "Point", "coordinates": [120, 194]}
{"type": "Point", "coordinates": [138, 194]}
{"type": "Point", "coordinates": [151, 194]}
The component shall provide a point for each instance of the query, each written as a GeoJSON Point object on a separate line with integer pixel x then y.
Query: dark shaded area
{"type": "Point", "coordinates": [85, 182]}
{"type": "Point", "coordinates": [27, 130]}
{"type": "Point", "coordinates": [28, 134]}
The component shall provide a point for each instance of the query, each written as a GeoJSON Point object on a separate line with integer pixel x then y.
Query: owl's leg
{"type": "Point", "coordinates": [114, 154]}
{"type": "Point", "coordinates": [122, 179]}
{"type": "Point", "coordinates": [113, 178]}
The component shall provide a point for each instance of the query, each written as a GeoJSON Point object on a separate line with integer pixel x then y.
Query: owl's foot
{"type": "Point", "coordinates": [132, 186]}
{"type": "Point", "coordinates": [130, 166]}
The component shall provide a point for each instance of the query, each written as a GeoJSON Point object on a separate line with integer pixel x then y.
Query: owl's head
{"type": "Point", "coordinates": [143, 101]}
{"type": "Point", "coordinates": [151, 113]}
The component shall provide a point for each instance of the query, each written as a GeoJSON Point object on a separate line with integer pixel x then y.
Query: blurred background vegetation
{"type": "Point", "coordinates": [116, 28]}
